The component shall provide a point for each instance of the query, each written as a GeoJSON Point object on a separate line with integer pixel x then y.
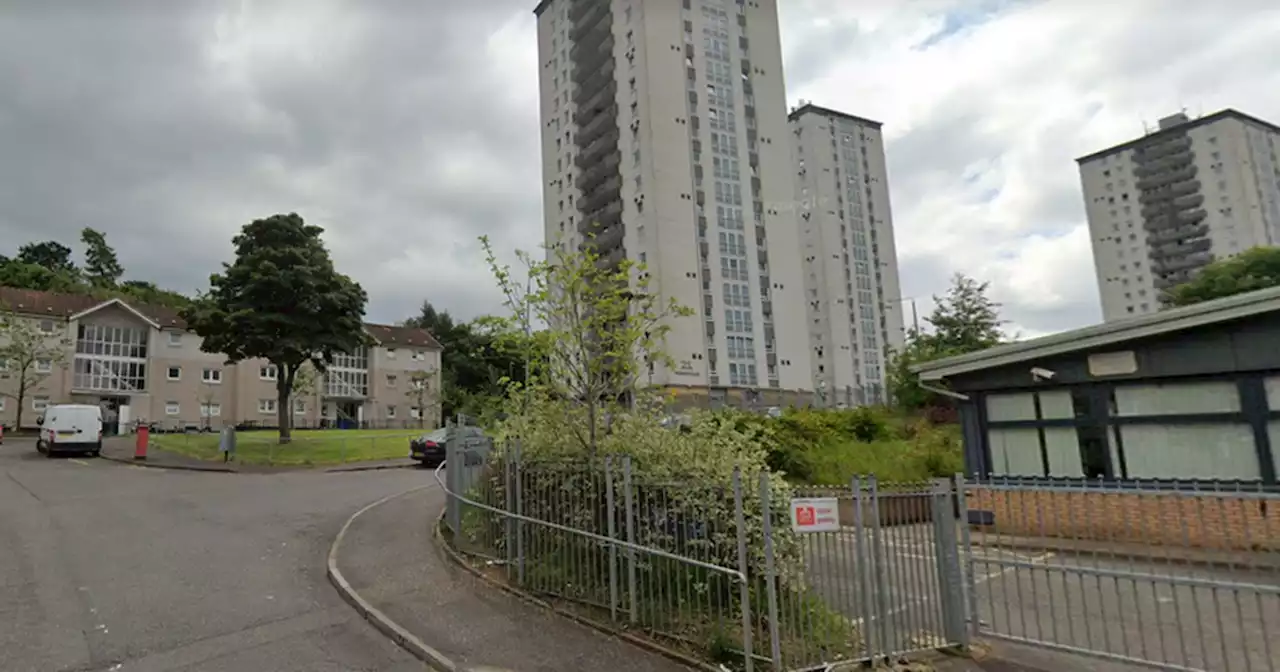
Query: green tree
{"type": "Point", "coordinates": [280, 300]}
{"type": "Point", "coordinates": [101, 266]}
{"type": "Point", "coordinates": [24, 275]}
{"type": "Point", "coordinates": [604, 328]}
{"type": "Point", "coordinates": [1254, 269]}
{"type": "Point", "coordinates": [30, 355]}
{"type": "Point", "coordinates": [478, 357]}
{"type": "Point", "coordinates": [49, 254]}
{"type": "Point", "coordinates": [422, 397]}
{"type": "Point", "coordinates": [965, 320]}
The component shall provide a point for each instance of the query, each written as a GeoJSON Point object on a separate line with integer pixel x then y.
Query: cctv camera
{"type": "Point", "coordinates": [1038, 373]}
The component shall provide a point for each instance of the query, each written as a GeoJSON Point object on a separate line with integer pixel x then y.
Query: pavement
{"type": "Point", "coordinates": [389, 556]}
{"type": "Point", "coordinates": [112, 568]}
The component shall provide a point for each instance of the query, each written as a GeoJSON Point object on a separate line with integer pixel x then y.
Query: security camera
{"type": "Point", "coordinates": [1038, 373]}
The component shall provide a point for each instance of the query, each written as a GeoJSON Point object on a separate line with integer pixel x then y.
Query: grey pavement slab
{"type": "Point", "coordinates": [389, 556]}
{"type": "Point", "coordinates": [113, 568]}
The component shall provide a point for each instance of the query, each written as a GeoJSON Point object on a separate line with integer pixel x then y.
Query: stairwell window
{"type": "Point", "coordinates": [267, 372]}
{"type": "Point", "coordinates": [391, 411]}
{"type": "Point", "coordinates": [266, 405]}
{"type": "Point", "coordinates": [44, 365]}
{"type": "Point", "coordinates": [213, 376]}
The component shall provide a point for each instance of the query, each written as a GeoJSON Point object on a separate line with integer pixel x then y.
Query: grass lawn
{"type": "Point", "coordinates": [309, 446]}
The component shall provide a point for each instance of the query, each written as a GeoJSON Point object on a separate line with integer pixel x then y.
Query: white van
{"type": "Point", "coordinates": [70, 428]}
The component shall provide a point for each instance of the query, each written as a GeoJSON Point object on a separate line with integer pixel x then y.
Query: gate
{"type": "Point", "coordinates": [1171, 576]}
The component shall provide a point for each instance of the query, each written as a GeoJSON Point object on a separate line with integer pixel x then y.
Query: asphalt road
{"type": "Point", "coordinates": [114, 568]}
{"type": "Point", "coordinates": [1195, 617]}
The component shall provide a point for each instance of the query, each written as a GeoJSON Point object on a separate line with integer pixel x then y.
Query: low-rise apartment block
{"type": "Point", "coordinates": [140, 363]}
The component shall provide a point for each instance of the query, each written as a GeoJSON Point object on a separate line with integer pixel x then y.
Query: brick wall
{"type": "Point", "coordinates": [1210, 521]}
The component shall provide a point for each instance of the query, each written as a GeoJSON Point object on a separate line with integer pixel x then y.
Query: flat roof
{"type": "Point", "coordinates": [809, 108]}
{"type": "Point", "coordinates": [1106, 334]}
{"type": "Point", "coordinates": [542, 5]}
{"type": "Point", "coordinates": [1228, 113]}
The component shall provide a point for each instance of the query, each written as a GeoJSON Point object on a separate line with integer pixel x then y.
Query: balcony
{"type": "Point", "coordinates": [613, 259]}
{"type": "Point", "coordinates": [592, 54]}
{"type": "Point", "coordinates": [1185, 188]}
{"type": "Point", "coordinates": [595, 87]}
{"type": "Point", "coordinates": [600, 171]}
{"type": "Point", "coordinates": [1179, 247]}
{"type": "Point", "coordinates": [1192, 216]}
{"type": "Point", "coordinates": [580, 8]}
{"type": "Point", "coordinates": [1188, 202]}
{"type": "Point", "coordinates": [590, 126]}
{"type": "Point", "coordinates": [1169, 163]}
{"type": "Point", "coordinates": [1168, 233]}
{"type": "Point", "coordinates": [1166, 177]}
{"type": "Point", "coordinates": [588, 46]}
{"type": "Point", "coordinates": [601, 195]}
{"type": "Point", "coordinates": [597, 149]}
{"type": "Point", "coordinates": [1179, 265]}
{"type": "Point", "coordinates": [609, 215]}
{"type": "Point", "coordinates": [1161, 149]}
{"type": "Point", "coordinates": [588, 16]}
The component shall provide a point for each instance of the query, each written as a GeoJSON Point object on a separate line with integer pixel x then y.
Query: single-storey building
{"type": "Point", "coordinates": [1190, 393]}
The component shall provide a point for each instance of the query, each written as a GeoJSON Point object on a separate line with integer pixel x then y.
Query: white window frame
{"type": "Point", "coordinates": [168, 373]}
{"type": "Point", "coordinates": [266, 406]}
{"type": "Point", "coordinates": [172, 408]}
{"type": "Point", "coordinates": [175, 339]}
{"type": "Point", "coordinates": [44, 365]}
{"type": "Point", "coordinates": [418, 355]}
{"type": "Point", "coordinates": [268, 372]}
{"type": "Point", "coordinates": [415, 412]}
{"type": "Point", "coordinates": [391, 411]}
{"type": "Point", "coordinates": [210, 410]}
{"type": "Point", "coordinates": [392, 379]}
{"type": "Point", "coordinates": [39, 403]}
{"type": "Point", "coordinates": [53, 326]}
{"type": "Point", "coordinates": [391, 353]}
{"type": "Point", "coordinates": [299, 407]}
{"type": "Point", "coordinates": [211, 376]}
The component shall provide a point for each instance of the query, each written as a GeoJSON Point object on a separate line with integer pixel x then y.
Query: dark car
{"type": "Point", "coordinates": [428, 448]}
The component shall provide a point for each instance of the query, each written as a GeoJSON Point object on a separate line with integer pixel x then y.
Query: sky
{"type": "Point", "coordinates": [409, 128]}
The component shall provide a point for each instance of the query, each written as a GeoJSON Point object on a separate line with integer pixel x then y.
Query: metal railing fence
{"type": "Point", "coordinates": [1183, 577]}
{"type": "Point", "coordinates": [719, 568]}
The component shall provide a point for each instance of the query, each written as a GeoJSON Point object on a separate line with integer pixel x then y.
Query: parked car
{"type": "Point", "coordinates": [429, 448]}
{"type": "Point", "coordinates": [70, 428]}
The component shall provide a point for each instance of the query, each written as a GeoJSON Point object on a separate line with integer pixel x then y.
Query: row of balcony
{"type": "Point", "coordinates": [1165, 178]}
{"type": "Point", "coordinates": [585, 14]}
{"type": "Point", "coordinates": [601, 170]}
{"type": "Point", "coordinates": [594, 221]}
{"type": "Point", "coordinates": [1179, 247]}
{"type": "Point", "coordinates": [595, 122]}
{"type": "Point", "coordinates": [1169, 191]}
{"type": "Point", "coordinates": [1181, 266]}
{"type": "Point", "coordinates": [1170, 162]}
{"type": "Point", "coordinates": [610, 190]}
{"type": "Point", "coordinates": [1172, 204]}
{"type": "Point", "coordinates": [1161, 149]}
{"type": "Point", "coordinates": [597, 149]}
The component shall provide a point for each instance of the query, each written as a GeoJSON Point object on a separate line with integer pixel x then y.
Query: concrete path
{"type": "Point", "coordinates": [390, 558]}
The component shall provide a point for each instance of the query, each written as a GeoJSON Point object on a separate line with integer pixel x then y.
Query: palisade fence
{"type": "Point", "coordinates": [1163, 574]}
{"type": "Point", "coordinates": [716, 569]}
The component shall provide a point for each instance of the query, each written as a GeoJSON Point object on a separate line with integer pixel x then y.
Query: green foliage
{"type": "Point", "coordinates": [477, 361]}
{"type": "Point", "coordinates": [965, 320]}
{"type": "Point", "coordinates": [280, 300]}
{"type": "Point", "coordinates": [30, 356]}
{"type": "Point", "coordinates": [604, 329]}
{"type": "Point", "coordinates": [1251, 270]}
{"type": "Point", "coordinates": [101, 267]}
{"type": "Point", "coordinates": [49, 254]}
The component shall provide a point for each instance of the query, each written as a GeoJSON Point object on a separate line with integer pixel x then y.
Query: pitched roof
{"type": "Point", "coordinates": [403, 336]}
{"type": "Point", "coordinates": [1108, 334]}
{"type": "Point", "coordinates": [55, 304]}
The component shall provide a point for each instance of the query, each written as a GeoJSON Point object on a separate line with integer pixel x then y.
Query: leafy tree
{"type": "Point", "coordinates": [306, 385]}
{"type": "Point", "coordinates": [101, 267]}
{"type": "Point", "coordinates": [605, 327]}
{"type": "Point", "coordinates": [30, 355]}
{"type": "Point", "coordinates": [49, 254]}
{"type": "Point", "coordinates": [1253, 269]}
{"type": "Point", "coordinates": [478, 358]}
{"type": "Point", "coordinates": [280, 300]}
{"type": "Point", "coordinates": [965, 320]}
{"type": "Point", "coordinates": [23, 275]}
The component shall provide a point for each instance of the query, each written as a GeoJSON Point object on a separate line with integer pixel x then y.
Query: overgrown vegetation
{"type": "Point", "coordinates": [48, 266]}
{"type": "Point", "coordinates": [1251, 270]}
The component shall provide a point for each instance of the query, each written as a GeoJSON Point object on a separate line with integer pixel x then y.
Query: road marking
{"type": "Point", "coordinates": [79, 462]}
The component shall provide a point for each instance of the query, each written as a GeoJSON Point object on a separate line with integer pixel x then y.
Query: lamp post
{"type": "Point", "coordinates": [915, 317]}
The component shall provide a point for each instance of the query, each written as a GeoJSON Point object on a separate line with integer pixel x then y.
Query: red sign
{"type": "Point", "coordinates": [815, 514]}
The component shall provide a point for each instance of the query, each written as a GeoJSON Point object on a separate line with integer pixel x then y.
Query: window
{"type": "Point", "coordinates": [46, 326]}
{"type": "Point", "coordinates": [414, 412]}
{"type": "Point", "coordinates": [267, 372]}
{"type": "Point", "coordinates": [418, 356]}
{"type": "Point", "coordinates": [175, 373]}
{"type": "Point", "coordinates": [211, 375]}
{"type": "Point", "coordinates": [4, 364]}
{"type": "Point", "coordinates": [1, 403]}
{"type": "Point", "coordinates": [39, 403]}
{"type": "Point", "coordinates": [391, 380]}
{"type": "Point", "coordinates": [172, 408]}
{"type": "Point", "coordinates": [391, 353]}
{"type": "Point", "coordinates": [391, 411]}
{"type": "Point", "coordinates": [266, 405]}
{"type": "Point", "coordinates": [210, 410]}
{"type": "Point", "coordinates": [299, 407]}
{"type": "Point", "coordinates": [175, 339]}
{"type": "Point", "coordinates": [44, 365]}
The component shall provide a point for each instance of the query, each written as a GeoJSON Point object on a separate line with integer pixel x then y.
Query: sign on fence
{"type": "Point", "coordinates": [815, 514]}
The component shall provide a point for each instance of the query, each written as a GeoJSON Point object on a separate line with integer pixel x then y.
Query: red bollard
{"type": "Point", "coordinates": [140, 447]}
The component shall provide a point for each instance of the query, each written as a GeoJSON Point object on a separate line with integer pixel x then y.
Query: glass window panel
{"type": "Point", "coordinates": [1015, 452]}
{"type": "Point", "coordinates": [1272, 385]}
{"type": "Point", "coordinates": [1019, 406]}
{"type": "Point", "coordinates": [1062, 445]}
{"type": "Point", "coordinates": [1218, 396]}
{"type": "Point", "coordinates": [1191, 451]}
{"type": "Point", "coordinates": [1056, 404]}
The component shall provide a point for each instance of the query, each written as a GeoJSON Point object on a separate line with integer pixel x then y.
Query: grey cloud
{"type": "Point", "coordinates": [119, 116]}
